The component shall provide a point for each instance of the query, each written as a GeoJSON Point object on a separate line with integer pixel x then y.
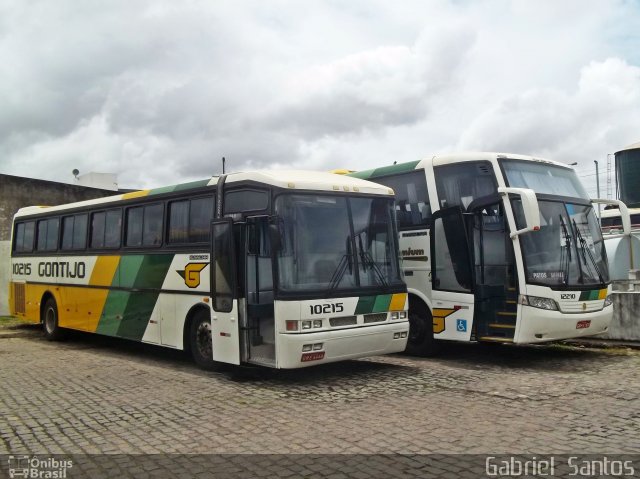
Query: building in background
{"type": "Point", "coordinates": [17, 192]}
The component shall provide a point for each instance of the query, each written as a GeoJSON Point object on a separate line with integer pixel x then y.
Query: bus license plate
{"type": "Point", "coordinates": [312, 356]}
{"type": "Point", "coordinates": [583, 324]}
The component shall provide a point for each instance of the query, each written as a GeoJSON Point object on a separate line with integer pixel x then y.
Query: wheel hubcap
{"type": "Point", "coordinates": [203, 340]}
{"type": "Point", "coordinates": [50, 320]}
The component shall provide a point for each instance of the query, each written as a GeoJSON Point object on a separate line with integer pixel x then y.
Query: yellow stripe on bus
{"type": "Point", "coordinates": [602, 294]}
{"type": "Point", "coordinates": [135, 194]}
{"type": "Point", "coordinates": [398, 302]}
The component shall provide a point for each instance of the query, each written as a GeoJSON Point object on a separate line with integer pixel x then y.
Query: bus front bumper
{"type": "Point", "coordinates": [341, 344]}
{"type": "Point", "coordinates": [541, 325]}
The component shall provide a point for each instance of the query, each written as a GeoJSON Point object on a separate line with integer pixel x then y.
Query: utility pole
{"type": "Point", "coordinates": [598, 189]}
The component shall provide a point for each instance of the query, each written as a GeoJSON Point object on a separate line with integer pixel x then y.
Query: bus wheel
{"type": "Point", "coordinates": [52, 331]}
{"type": "Point", "coordinates": [200, 340]}
{"type": "Point", "coordinates": [421, 341]}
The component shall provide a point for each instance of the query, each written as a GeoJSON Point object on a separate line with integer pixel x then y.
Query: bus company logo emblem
{"type": "Point", "coordinates": [191, 274]}
{"type": "Point", "coordinates": [414, 254]}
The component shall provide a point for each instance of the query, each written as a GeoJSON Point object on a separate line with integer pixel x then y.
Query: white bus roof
{"type": "Point", "coordinates": [287, 179]}
{"type": "Point", "coordinates": [448, 159]}
{"type": "Point", "coordinates": [479, 156]}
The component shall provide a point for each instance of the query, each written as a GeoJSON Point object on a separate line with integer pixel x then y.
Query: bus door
{"type": "Point", "coordinates": [451, 276]}
{"type": "Point", "coordinates": [259, 332]}
{"type": "Point", "coordinates": [225, 329]}
{"type": "Point", "coordinates": [494, 270]}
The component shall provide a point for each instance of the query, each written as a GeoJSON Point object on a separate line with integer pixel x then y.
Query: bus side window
{"type": "Point", "coordinates": [105, 229]}
{"type": "Point", "coordinates": [48, 234]}
{"type": "Point", "coordinates": [413, 209]}
{"type": "Point", "coordinates": [144, 225]}
{"type": "Point", "coordinates": [23, 237]}
{"type": "Point", "coordinates": [74, 232]}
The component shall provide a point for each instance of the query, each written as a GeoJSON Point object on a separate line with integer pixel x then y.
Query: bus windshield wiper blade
{"type": "Point", "coordinates": [367, 260]}
{"type": "Point", "coordinates": [586, 251]}
{"type": "Point", "coordinates": [345, 262]}
{"type": "Point", "coordinates": [565, 258]}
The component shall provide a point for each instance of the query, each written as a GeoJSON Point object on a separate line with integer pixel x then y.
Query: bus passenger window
{"type": "Point", "coordinates": [23, 241]}
{"type": "Point", "coordinates": [48, 234]}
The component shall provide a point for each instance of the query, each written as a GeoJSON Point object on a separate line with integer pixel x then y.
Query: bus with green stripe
{"type": "Point", "coordinates": [498, 248]}
{"type": "Point", "coordinates": [283, 269]}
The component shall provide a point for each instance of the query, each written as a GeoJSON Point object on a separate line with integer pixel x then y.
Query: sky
{"type": "Point", "coordinates": [158, 91]}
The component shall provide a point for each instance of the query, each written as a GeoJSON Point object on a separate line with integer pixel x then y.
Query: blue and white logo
{"type": "Point", "coordinates": [461, 325]}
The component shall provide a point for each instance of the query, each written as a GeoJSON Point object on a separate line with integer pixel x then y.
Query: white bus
{"type": "Point", "coordinates": [611, 221]}
{"type": "Point", "coordinates": [497, 248]}
{"type": "Point", "coordinates": [282, 269]}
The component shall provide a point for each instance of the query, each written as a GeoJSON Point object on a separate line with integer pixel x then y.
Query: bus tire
{"type": "Point", "coordinates": [421, 341]}
{"type": "Point", "coordinates": [200, 343]}
{"type": "Point", "coordinates": [52, 331]}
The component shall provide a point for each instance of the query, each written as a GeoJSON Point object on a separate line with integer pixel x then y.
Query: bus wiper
{"type": "Point", "coordinates": [345, 263]}
{"type": "Point", "coordinates": [367, 260]}
{"type": "Point", "coordinates": [586, 251]}
{"type": "Point", "coordinates": [565, 258]}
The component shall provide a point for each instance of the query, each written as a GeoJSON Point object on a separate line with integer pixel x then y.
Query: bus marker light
{"type": "Point", "coordinates": [292, 325]}
{"type": "Point", "coordinates": [205, 300]}
{"type": "Point", "coordinates": [317, 346]}
{"type": "Point", "coordinates": [306, 324]}
{"type": "Point", "coordinates": [396, 335]}
{"type": "Point", "coordinates": [312, 356]}
{"type": "Point", "coordinates": [403, 334]}
{"type": "Point", "coordinates": [306, 347]}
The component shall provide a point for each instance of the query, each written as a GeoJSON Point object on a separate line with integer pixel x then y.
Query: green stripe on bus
{"type": "Point", "coordinates": [385, 170]}
{"type": "Point", "coordinates": [589, 295]}
{"type": "Point", "coordinates": [365, 304]}
{"type": "Point", "coordinates": [373, 304]}
{"type": "Point", "coordinates": [151, 275]}
{"type": "Point", "coordinates": [180, 187]}
{"type": "Point", "coordinates": [382, 303]}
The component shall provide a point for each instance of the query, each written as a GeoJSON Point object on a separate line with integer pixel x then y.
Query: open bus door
{"type": "Point", "coordinates": [225, 328]}
{"type": "Point", "coordinates": [451, 276]}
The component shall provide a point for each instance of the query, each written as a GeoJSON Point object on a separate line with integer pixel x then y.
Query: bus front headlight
{"type": "Point", "coordinates": [608, 301]}
{"type": "Point", "coordinates": [538, 302]}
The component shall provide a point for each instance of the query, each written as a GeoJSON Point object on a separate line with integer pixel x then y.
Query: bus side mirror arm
{"type": "Point", "coordinates": [529, 206]}
{"type": "Point", "coordinates": [624, 213]}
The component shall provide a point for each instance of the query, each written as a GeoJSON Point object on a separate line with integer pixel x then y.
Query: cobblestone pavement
{"type": "Point", "coordinates": [92, 394]}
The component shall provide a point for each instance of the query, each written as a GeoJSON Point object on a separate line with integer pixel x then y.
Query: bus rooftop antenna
{"type": "Point", "coordinates": [223, 161]}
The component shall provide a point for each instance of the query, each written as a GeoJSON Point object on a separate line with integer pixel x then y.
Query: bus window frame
{"type": "Point", "coordinates": [45, 250]}
{"type": "Point", "coordinates": [31, 250]}
{"type": "Point", "coordinates": [125, 228]}
{"type": "Point", "coordinates": [88, 214]}
{"type": "Point", "coordinates": [90, 247]}
{"type": "Point", "coordinates": [167, 224]}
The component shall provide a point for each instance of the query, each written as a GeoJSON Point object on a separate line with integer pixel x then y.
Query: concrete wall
{"type": "Point", "coordinates": [5, 270]}
{"type": "Point", "coordinates": [626, 320]}
{"type": "Point", "coordinates": [17, 192]}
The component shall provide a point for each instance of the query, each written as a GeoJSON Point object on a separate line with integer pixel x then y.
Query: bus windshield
{"type": "Point", "coordinates": [568, 250]}
{"type": "Point", "coordinates": [543, 178]}
{"type": "Point", "coordinates": [333, 242]}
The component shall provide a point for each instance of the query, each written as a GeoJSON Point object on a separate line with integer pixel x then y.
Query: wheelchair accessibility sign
{"type": "Point", "coordinates": [461, 325]}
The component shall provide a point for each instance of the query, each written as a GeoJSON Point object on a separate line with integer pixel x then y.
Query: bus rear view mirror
{"type": "Point", "coordinates": [624, 213]}
{"type": "Point", "coordinates": [530, 208]}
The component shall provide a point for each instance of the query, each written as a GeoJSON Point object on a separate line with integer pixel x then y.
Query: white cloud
{"type": "Point", "coordinates": [158, 92]}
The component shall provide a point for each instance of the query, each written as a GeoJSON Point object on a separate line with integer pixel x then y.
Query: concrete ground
{"type": "Point", "coordinates": [96, 395]}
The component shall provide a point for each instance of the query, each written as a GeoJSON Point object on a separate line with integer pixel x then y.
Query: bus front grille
{"type": "Point", "coordinates": [375, 317]}
{"type": "Point", "coordinates": [343, 321]}
{"type": "Point", "coordinates": [19, 304]}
